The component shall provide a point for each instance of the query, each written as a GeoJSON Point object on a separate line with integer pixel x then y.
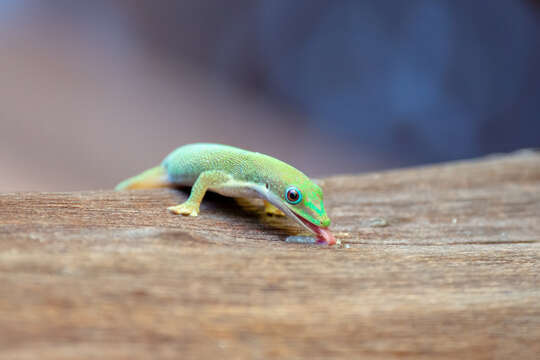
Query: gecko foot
{"type": "Point", "coordinates": [184, 209]}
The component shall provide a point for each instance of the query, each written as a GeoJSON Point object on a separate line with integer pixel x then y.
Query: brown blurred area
{"type": "Point", "coordinates": [86, 103]}
{"type": "Point", "coordinates": [94, 92]}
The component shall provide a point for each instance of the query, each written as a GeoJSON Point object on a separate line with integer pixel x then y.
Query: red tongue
{"type": "Point", "coordinates": [324, 235]}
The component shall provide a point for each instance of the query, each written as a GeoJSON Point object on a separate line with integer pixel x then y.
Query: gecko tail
{"type": "Point", "coordinates": [155, 177]}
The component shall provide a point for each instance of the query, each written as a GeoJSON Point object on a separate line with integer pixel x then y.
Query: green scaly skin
{"type": "Point", "coordinates": [235, 172]}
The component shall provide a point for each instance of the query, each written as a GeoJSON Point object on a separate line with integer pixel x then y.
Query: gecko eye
{"type": "Point", "coordinates": [293, 195]}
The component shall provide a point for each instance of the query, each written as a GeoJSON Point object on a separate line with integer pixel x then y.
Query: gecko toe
{"type": "Point", "coordinates": [183, 209]}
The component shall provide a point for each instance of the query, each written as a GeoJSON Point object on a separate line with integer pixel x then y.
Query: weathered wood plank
{"type": "Point", "coordinates": [454, 274]}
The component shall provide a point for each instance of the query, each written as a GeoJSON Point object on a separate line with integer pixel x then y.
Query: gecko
{"type": "Point", "coordinates": [235, 172]}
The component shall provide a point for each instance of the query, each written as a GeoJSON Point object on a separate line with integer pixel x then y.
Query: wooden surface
{"type": "Point", "coordinates": [453, 274]}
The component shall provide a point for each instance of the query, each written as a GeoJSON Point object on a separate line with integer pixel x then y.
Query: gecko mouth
{"type": "Point", "coordinates": [323, 234]}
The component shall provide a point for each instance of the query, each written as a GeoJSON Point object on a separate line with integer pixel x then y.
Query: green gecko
{"type": "Point", "coordinates": [235, 172]}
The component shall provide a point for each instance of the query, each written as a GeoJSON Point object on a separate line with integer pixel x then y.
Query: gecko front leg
{"type": "Point", "coordinates": [205, 180]}
{"type": "Point", "coordinates": [270, 209]}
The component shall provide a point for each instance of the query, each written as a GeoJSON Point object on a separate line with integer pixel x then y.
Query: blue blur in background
{"type": "Point", "coordinates": [106, 88]}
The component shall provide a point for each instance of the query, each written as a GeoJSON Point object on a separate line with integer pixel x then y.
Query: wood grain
{"type": "Point", "coordinates": [440, 262]}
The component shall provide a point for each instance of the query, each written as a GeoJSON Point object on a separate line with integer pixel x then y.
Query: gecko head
{"type": "Point", "coordinates": [307, 202]}
{"type": "Point", "coordinates": [304, 203]}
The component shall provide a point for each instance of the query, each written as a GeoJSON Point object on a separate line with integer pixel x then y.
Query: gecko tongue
{"type": "Point", "coordinates": [323, 234]}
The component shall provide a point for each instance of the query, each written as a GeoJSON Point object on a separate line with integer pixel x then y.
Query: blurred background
{"type": "Point", "coordinates": [92, 92]}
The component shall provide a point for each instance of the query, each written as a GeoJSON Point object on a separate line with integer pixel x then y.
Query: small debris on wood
{"type": "Point", "coordinates": [377, 222]}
